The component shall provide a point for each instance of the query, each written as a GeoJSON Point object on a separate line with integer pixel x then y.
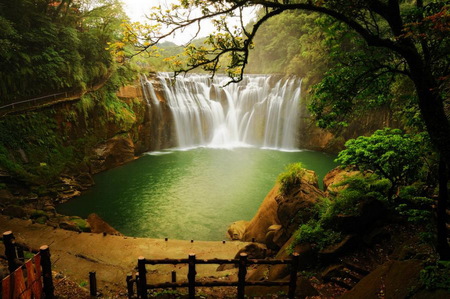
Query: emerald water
{"type": "Point", "coordinates": [192, 194]}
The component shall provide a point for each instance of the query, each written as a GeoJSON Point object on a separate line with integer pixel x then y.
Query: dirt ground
{"type": "Point", "coordinates": [74, 254]}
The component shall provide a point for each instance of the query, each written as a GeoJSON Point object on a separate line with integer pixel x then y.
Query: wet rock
{"type": "Point", "coordinates": [265, 217]}
{"type": "Point", "coordinates": [295, 207]}
{"type": "Point", "coordinates": [393, 279]}
{"type": "Point", "coordinates": [85, 180]}
{"type": "Point", "coordinates": [253, 251]}
{"type": "Point", "coordinates": [15, 211]}
{"type": "Point", "coordinates": [114, 152]}
{"type": "Point", "coordinates": [304, 290]}
{"type": "Point", "coordinates": [68, 225]}
{"type": "Point", "coordinates": [334, 250]}
{"type": "Point", "coordinates": [100, 226]}
{"type": "Point", "coordinates": [336, 176]}
{"type": "Point", "coordinates": [237, 229]}
{"type": "Point", "coordinates": [5, 195]}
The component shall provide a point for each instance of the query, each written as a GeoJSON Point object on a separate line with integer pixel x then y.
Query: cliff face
{"type": "Point", "coordinates": [51, 152]}
{"type": "Point", "coordinates": [314, 138]}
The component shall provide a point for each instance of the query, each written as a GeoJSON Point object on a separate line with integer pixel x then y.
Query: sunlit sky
{"type": "Point", "coordinates": [137, 9]}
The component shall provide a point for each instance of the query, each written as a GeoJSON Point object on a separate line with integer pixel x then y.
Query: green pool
{"type": "Point", "coordinates": [192, 194]}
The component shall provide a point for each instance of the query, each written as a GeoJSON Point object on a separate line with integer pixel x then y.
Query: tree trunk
{"type": "Point", "coordinates": [442, 245]}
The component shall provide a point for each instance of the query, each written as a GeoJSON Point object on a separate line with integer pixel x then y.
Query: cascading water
{"type": "Point", "coordinates": [261, 110]}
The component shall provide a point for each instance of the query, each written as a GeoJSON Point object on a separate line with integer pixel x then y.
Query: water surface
{"type": "Point", "coordinates": [193, 194]}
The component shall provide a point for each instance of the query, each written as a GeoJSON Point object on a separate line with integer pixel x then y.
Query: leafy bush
{"type": "Point", "coordinates": [321, 229]}
{"type": "Point", "coordinates": [388, 153]}
{"type": "Point", "coordinates": [315, 232]}
{"type": "Point", "coordinates": [290, 177]}
{"type": "Point", "coordinates": [436, 276]}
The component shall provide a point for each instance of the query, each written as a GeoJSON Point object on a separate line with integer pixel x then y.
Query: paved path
{"type": "Point", "coordinates": [113, 257]}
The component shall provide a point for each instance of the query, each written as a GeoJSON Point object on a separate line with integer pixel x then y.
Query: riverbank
{"type": "Point", "coordinates": [74, 254]}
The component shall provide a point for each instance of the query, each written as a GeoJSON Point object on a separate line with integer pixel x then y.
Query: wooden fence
{"type": "Point", "coordinates": [27, 279]}
{"type": "Point", "coordinates": [191, 284]}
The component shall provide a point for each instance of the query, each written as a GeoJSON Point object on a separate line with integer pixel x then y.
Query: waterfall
{"type": "Point", "coordinates": [261, 110]}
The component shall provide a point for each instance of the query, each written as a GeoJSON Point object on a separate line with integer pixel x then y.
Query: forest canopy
{"type": "Point", "coordinates": [50, 46]}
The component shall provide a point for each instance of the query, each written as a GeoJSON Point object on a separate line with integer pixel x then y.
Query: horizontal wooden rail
{"type": "Point", "coordinates": [215, 261]}
{"type": "Point", "coordinates": [191, 284]}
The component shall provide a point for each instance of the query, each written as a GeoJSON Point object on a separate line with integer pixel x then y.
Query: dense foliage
{"type": "Point", "coordinates": [388, 153]}
{"type": "Point", "coordinates": [290, 177]}
{"type": "Point", "coordinates": [49, 46]}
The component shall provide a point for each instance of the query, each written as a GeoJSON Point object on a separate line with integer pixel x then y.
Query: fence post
{"type": "Point", "coordinates": [20, 254]}
{"type": "Point", "coordinates": [138, 281]}
{"type": "Point", "coordinates": [92, 284]}
{"type": "Point", "coordinates": [191, 275]}
{"type": "Point", "coordinates": [10, 250]}
{"type": "Point", "coordinates": [142, 277]}
{"type": "Point", "coordinates": [47, 271]}
{"type": "Point", "coordinates": [130, 286]}
{"type": "Point", "coordinates": [241, 275]}
{"type": "Point", "coordinates": [293, 276]}
{"type": "Point", "coordinates": [174, 278]}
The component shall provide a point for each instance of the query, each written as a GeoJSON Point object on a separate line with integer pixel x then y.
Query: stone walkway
{"type": "Point", "coordinates": [113, 257]}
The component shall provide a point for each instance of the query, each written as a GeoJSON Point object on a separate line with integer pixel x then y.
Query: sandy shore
{"type": "Point", "coordinates": [113, 257]}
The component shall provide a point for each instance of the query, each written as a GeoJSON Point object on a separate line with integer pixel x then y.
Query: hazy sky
{"type": "Point", "coordinates": [137, 9]}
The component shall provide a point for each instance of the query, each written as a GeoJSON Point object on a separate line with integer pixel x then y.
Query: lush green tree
{"type": "Point", "coordinates": [404, 38]}
{"type": "Point", "coordinates": [51, 46]}
{"type": "Point", "coordinates": [389, 153]}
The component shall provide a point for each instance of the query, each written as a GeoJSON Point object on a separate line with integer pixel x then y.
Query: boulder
{"type": "Point", "coordinates": [307, 257]}
{"type": "Point", "coordinates": [100, 226]}
{"type": "Point", "coordinates": [253, 251]}
{"type": "Point", "coordinates": [69, 225]}
{"type": "Point", "coordinates": [236, 230]}
{"type": "Point", "coordinates": [15, 211]}
{"type": "Point", "coordinates": [336, 176]}
{"type": "Point", "coordinates": [304, 289]}
{"type": "Point", "coordinates": [112, 153]}
{"type": "Point", "coordinates": [5, 195]}
{"type": "Point", "coordinates": [393, 279]}
{"type": "Point", "coordinates": [265, 217]}
{"type": "Point", "coordinates": [295, 207]}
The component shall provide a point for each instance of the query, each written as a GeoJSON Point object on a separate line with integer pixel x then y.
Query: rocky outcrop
{"type": "Point", "coordinates": [335, 177]}
{"type": "Point", "coordinates": [100, 226]}
{"type": "Point", "coordinates": [393, 279]}
{"type": "Point", "coordinates": [315, 138]}
{"type": "Point", "coordinates": [266, 216]}
{"type": "Point", "coordinates": [295, 207]}
{"type": "Point", "coordinates": [112, 153]}
{"type": "Point", "coordinates": [280, 215]}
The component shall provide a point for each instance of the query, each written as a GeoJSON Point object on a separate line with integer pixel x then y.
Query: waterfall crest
{"type": "Point", "coordinates": [261, 110]}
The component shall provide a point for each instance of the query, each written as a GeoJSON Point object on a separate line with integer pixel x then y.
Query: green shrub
{"type": "Point", "coordinates": [436, 276]}
{"type": "Point", "coordinates": [320, 230]}
{"type": "Point", "coordinates": [290, 177]}
{"type": "Point", "coordinates": [82, 224]}
{"type": "Point", "coordinates": [314, 232]}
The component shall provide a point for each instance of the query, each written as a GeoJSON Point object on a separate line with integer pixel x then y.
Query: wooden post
{"type": "Point", "coordinates": [174, 278]}
{"type": "Point", "coordinates": [191, 275]}
{"type": "Point", "coordinates": [130, 286]}
{"type": "Point", "coordinates": [92, 284]}
{"type": "Point", "coordinates": [293, 276]}
{"type": "Point", "coordinates": [142, 277]}
{"type": "Point", "coordinates": [10, 250]}
{"type": "Point", "coordinates": [20, 254]}
{"type": "Point", "coordinates": [47, 271]}
{"type": "Point", "coordinates": [241, 275]}
{"type": "Point", "coordinates": [138, 281]}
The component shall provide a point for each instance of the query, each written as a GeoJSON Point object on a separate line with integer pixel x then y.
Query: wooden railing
{"type": "Point", "coordinates": [191, 284]}
{"type": "Point", "coordinates": [43, 100]}
{"type": "Point", "coordinates": [38, 281]}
